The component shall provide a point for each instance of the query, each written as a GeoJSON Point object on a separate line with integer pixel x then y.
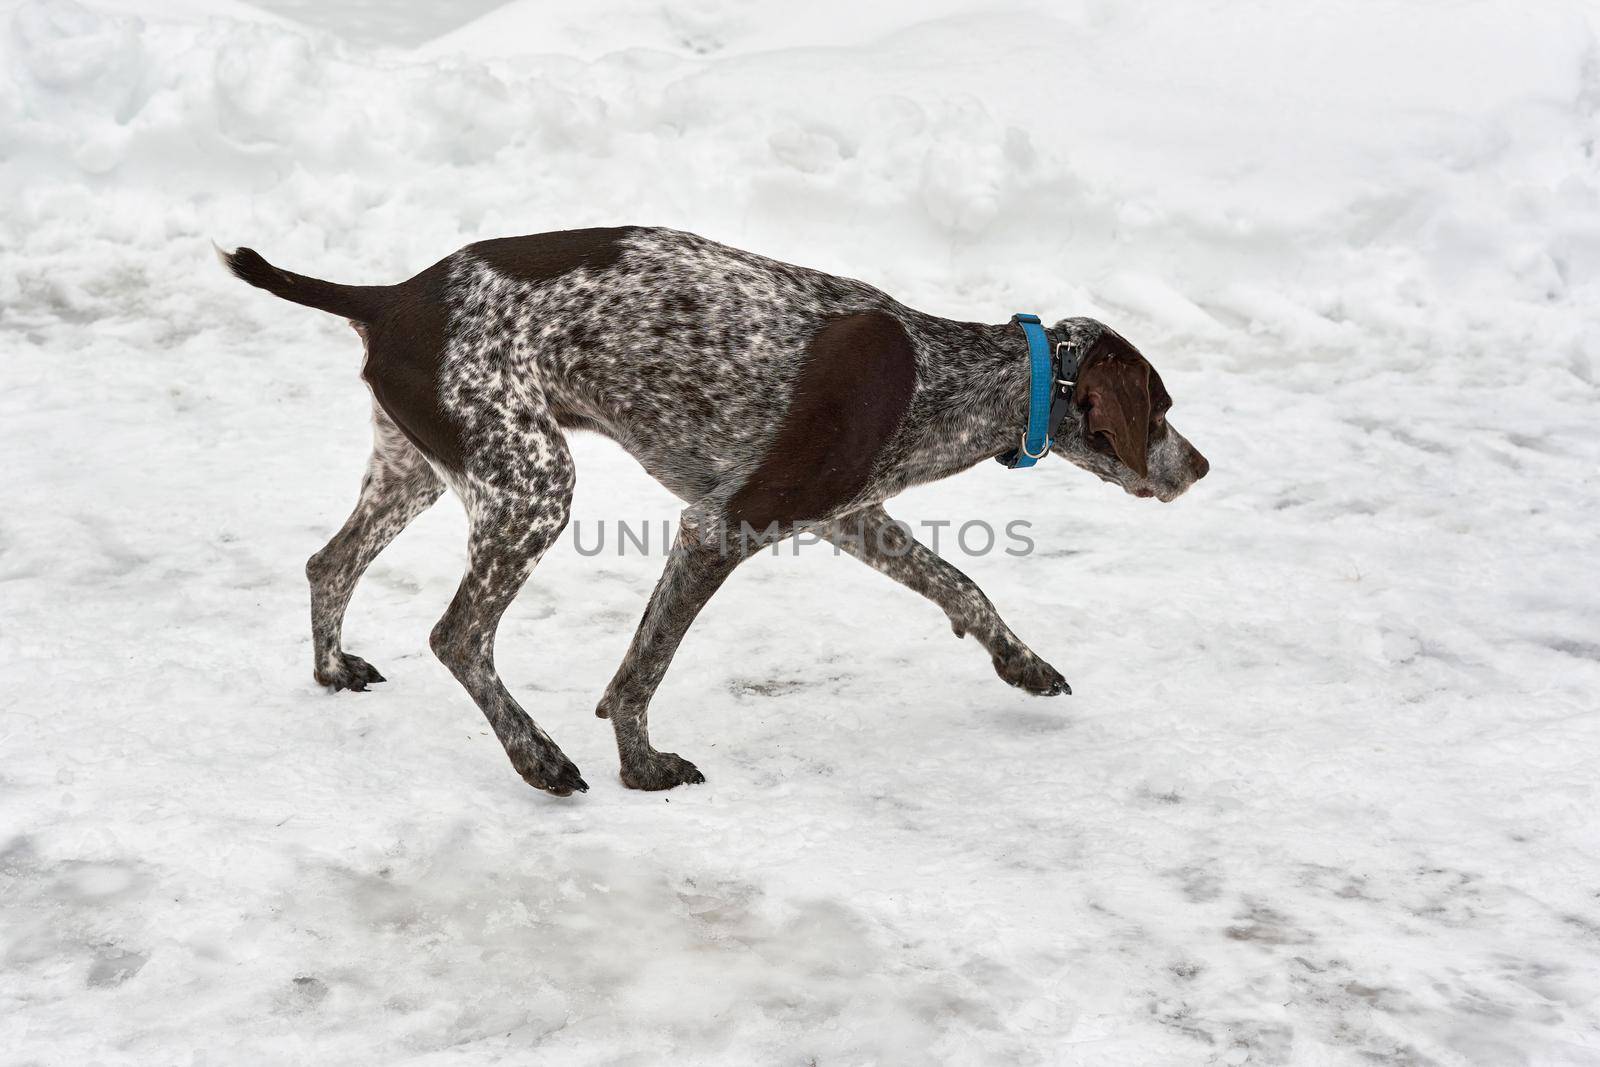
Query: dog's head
{"type": "Point", "coordinates": [1118, 427]}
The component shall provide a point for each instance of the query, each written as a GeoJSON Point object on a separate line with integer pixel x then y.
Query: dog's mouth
{"type": "Point", "coordinates": [1164, 494]}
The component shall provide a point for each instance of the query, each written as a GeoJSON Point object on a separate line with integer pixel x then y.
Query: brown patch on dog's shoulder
{"type": "Point", "coordinates": [405, 349]}
{"type": "Point", "coordinates": [542, 256]}
{"type": "Point", "coordinates": [853, 389]}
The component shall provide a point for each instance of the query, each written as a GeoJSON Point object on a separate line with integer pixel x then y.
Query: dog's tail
{"type": "Point", "coordinates": [360, 303]}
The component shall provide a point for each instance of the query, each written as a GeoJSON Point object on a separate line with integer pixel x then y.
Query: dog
{"type": "Point", "coordinates": [769, 397]}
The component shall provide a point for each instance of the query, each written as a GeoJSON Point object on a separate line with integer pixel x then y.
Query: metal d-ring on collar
{"type": "Point", "coordinates": [1022, 446]}
{"type": "Point", "coordinates": [1050, 385]}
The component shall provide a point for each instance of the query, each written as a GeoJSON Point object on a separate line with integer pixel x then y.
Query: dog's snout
{"type": "Point", "coordinates": [1200, 466]}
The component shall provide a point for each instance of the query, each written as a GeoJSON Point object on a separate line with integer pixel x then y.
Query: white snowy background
{"type": "Point", "coordinates": [1326, 792]}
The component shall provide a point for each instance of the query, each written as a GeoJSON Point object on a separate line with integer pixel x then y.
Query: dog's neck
{"type": "Point", "coordinates": [1002, 378]}
{"type": "Point", "coordinates": [972, 395]}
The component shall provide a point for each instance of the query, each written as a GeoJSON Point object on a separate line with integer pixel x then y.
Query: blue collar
{"type": "Point", "coordinates": [1049, 393]}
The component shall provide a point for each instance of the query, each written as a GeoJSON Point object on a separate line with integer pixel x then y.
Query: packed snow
{"type": "Point", "coordinates": [1325, 792]}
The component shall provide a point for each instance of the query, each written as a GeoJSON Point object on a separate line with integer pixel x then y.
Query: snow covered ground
{"type": "Point", "coordinates": [1326, 792]}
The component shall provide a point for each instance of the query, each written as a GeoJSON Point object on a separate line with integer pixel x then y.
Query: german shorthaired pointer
{"type": "Point", "coordinates": [769, 397]}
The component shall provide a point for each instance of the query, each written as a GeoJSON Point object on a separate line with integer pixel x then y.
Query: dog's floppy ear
{"type": "Point", "coordinates": [1114, 394]}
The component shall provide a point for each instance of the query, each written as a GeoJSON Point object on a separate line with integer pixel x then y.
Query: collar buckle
{"type": "Point", "coordinates": [1062, 365]}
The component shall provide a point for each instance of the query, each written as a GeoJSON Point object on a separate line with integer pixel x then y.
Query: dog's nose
{"type": "Point", "coordinates": [1201, 467]}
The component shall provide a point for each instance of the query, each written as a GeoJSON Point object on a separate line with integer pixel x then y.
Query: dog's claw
{"type": "Point", "coordinates": [350, 672]}
{"type": "Point", "coordinates": [567, 786]}
{"type": "Point", "coordinates": [661, 770]}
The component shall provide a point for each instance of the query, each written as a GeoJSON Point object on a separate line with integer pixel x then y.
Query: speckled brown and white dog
{"type": "Point", "coordinates": [769, 397]}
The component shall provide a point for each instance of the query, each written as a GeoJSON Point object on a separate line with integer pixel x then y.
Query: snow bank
{"type": "Point", "coordinates": [1325, 791]}
{"type": "Point", "coordinates": [1304, 181]}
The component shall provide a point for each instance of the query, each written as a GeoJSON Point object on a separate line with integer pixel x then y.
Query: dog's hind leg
{"type": "Point", "coordinates": [697, 566]}
{"type": "Point", "coordinates": [399, 485]}
{"type": "Point", "coordinates": [875, 539]}
{"type": "Point", "coordinates": [517, 486]}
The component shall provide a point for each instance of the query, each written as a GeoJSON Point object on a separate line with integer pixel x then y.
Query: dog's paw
{"type": "Point", "coordinates": [662, 770]}
{"type": "Point", "coordinates": [348, 672]}
{"type": "Point", "coordinates": [1026, 670]}
{"type": "Point", "coordinates": [548, 768]}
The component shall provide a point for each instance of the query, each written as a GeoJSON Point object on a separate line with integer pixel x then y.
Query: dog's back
{"type": "Point", "coordinates": [677, 347]}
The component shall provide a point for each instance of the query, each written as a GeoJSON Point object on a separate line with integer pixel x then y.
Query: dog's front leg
{"type": "Point", "coordinates": [699, 563]}
{"type": "Point", "coordinates": [875, 539]}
